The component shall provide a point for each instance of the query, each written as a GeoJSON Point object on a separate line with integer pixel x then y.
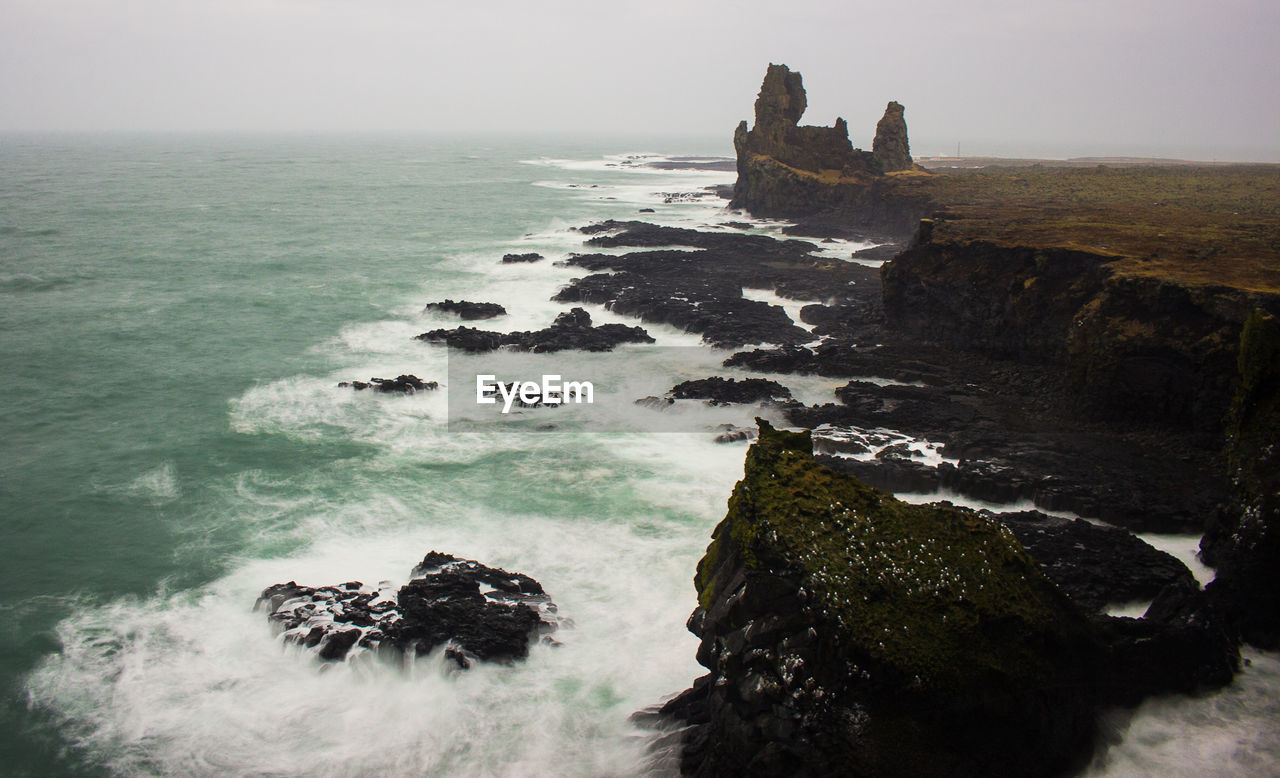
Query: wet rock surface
{"type": "Point", "coordinates": [476, 613]}
{"type": "Point", "coordinates": [570, 330]}
{"type": "Point", "coordinates": [839, 625]}
{"type": "Point", "coordinates": [843, 628]}
{"type": "Point", "coordinates": [1033, 373]}
{"type": "Point", "coordinates": [1003, 439]}
{"type": "Point", "coordinates": [1096, 565]}
{"type": "Point", "coordinates": [509, 259]}
{"type": "Point", "coordinates": [701, 291]}
{"type": "Point", "coordinates": [403, 384]}
{"type": "Point", "coordinates": [724, 391]}
{"type": "Point", "coordinates": [468, 310]}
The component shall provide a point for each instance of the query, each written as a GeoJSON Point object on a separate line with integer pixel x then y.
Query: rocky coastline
{"type": "Point", "coordinates": [848, 633]}
{"type": "Point", "coordinates": [1108, 380]}
{"type": "Point", "coordinates": [996, 355]}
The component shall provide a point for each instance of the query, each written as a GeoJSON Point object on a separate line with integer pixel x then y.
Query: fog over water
{"type": "Point", "coordinates": [1139, 77]}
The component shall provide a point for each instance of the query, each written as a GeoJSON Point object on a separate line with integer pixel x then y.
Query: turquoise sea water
{"type": "Point", "coordinates": [175, 314]}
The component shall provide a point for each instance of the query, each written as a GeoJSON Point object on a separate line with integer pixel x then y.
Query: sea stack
{"type": "Point", "coordinates": [890, 147]}
{"type": "Point", "coordinates": [796, 171]}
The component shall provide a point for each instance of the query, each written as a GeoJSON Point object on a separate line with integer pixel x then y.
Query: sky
{"type": "Point", "coordinates": [1183, 78]}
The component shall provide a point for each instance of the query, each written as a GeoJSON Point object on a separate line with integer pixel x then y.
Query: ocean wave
{"type": "Point", "coordinates": [195, 683]}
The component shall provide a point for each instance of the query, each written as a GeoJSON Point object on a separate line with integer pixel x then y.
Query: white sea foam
{"type": "Point", "coordinates": [195, 683]}
{"type": "Point", "coordinates": [792, 307]}
{"type": "Point", "coordinates": [955, 498]}
{"type": "Point", "coordinates": [1185, 548]}
{"type": "Point", "coordinates": [1230, 733]}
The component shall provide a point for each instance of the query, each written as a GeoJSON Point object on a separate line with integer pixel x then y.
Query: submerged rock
{"type": "Point", "coordinates": [848, 633]}
{"type": "Point", "coordinates": [475, 612]}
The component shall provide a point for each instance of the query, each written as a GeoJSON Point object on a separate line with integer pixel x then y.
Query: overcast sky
{"type": "Point", "coordinates": [1188, 78]}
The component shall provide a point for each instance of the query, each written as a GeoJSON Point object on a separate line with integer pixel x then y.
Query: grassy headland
{"type": "Point", "coordinates": [1194, 225]}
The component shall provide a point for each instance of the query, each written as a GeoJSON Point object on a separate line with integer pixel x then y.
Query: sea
{"type": "Point", "coordinates": [176, 313]}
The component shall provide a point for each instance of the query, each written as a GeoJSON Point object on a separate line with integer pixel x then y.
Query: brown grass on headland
{"type": "Point", "coordinates": [1198, 225]}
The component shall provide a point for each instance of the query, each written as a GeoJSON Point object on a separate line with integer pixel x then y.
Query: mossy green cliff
{"type": "Point", "coordinates": [868, 636]}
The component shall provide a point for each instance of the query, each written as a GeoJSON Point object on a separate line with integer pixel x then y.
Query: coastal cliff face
{"type": "Point", "coordinates": [1243, 540]}
{"type": "Point", "coordinates": [1135, 347]}
{"type": "Point", "coordinates": [789, 170]}
{"type": "Point", "coordinates": [847, 632]}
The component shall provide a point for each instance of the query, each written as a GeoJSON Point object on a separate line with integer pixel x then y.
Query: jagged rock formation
{"type": "Point", "coordinates": [777, 133]}
{"type": "Point", "coordinates": [890, 147]}
{"type": "Point", "coordinates": [1096, 565]}
{"type": "Point", "coordinates": [571, 330]}
{"type": "Point", "coordinates": [726, 391]}
{"type": "Point", "coordinates": [848, 633]}
{"type": "Point", "coordinates": [702, 291]}
{"type": "Point", "coordinates": [468, 310]}
{"type": "Point", "coordinates": [475, 612]}
{"type": "Point", "coordinates": [785, 169]}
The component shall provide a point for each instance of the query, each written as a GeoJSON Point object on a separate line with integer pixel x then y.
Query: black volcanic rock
{"type": "Point", "coordinates": [702, 290]}
{"type": "Point", "coordinates": [405, 384]}
{"type": "Point", "coordinates": [1096, 565]}
{"type": "Point", "coordinates": [571, 330]}
{"type": "Point", "coordinates": [465, 338]}
{"type": "Point", "coordinates": [887, 470]}
{"type": "Point", "coordinates": [636, 234]}
{"type": "Point", "coordinates": [722, 391]}
{"type": "Point", "coordinates": [1183, 644]}
{"type": "Point", "coordinates": [514, 258]}
{"type": "Point", "coordinates": [847, 633]}
{"type": "Point", "coordinates": [999, 451]}
{"type": "Point", "coordinates": [468, 310]}
{"type": "Point", "coordinates": [475, 612]}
